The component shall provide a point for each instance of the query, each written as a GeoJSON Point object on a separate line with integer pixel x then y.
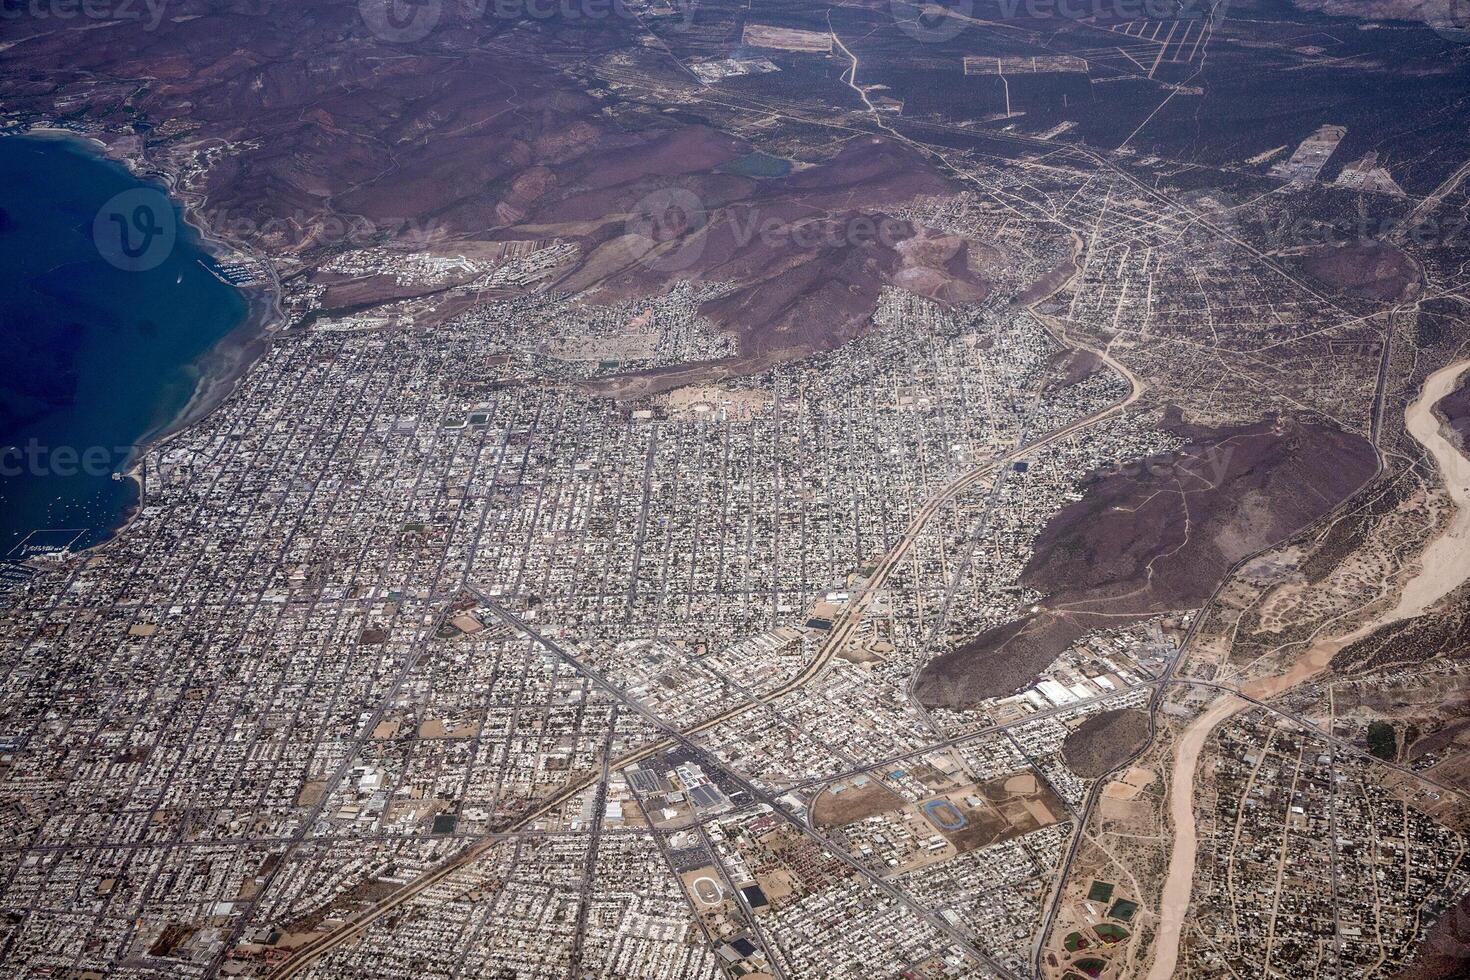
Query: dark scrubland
{"type": "Point", "coordinates": [1410, 641]}
{"type": "Point", "coordinates": [322, 136]}
{"type": "Point", "coordinates": [1156, 536]}
{"type": "Point", "coordinates": [1345, 535]}
{"type": "Point", "coordinates": [1072, 367]}
{"type": "Point", "coordinates": [807, 271]}
{"type": "Point", "coordinates": [1454, 411]}
{"type": "Point", "coordinates": [1445, 951]}
{"type": "Point", "coordinates": [1105, 741]}
{"type": "Point", "coordinates": [1374, 270]}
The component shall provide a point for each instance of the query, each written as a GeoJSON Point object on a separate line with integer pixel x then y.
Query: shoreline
{"type": "Point", "coordinates": [220, 368]}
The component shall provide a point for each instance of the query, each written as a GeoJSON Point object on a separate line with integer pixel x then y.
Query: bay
{"type": "Point", "coordinates": [108, 302]}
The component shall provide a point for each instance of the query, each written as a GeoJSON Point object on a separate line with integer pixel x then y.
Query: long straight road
{"type": "Point", "coordinates": [842, 630]}
{"type": "Point", "coordinates": [313, 952]}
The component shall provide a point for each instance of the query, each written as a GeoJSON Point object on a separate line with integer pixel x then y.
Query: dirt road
{"type": "Point", "coordinates": [1444, 565]}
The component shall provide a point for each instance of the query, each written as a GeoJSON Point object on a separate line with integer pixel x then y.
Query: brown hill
{"type": "Point", "coordinates": [294, 121]}
{"type": "Point", "coordinates": [1156, 536]}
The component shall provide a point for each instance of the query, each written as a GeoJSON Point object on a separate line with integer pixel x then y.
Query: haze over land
{"type": "Point", "coordinates": [773, 490]}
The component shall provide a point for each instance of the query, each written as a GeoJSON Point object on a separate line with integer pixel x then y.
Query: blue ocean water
{"type": "Point", "coordinates": [107, 302]}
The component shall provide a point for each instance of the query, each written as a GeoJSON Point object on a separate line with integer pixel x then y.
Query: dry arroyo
{"type": "Point", "coordinates": [1444, 565]}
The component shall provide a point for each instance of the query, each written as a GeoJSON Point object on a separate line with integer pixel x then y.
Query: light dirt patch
{"type": "Point", "coordinates": [777, 884]}
{"type": "Point", "coordinates": [311, 793]}
{"type": "Point", "coordinates": [1040, 812]}
{"type": "Point", "coordinates": [1130, 784]}
{"type": "Point", "coordinates": [466, 623]}
{"type": "Point", "coordinates": [1126, 816]}
{"type": "Point", "coordinates": [858, 654]}
{"type": "Point", "coordinates": [1140, 777]}
{"type": "Point", "coordinates": [853, 803]}
{"type": "Point", "coordinates": [1021, 784]}
{"type": "Point", "coordinates": [787, 39]}
{"type": "Point", "coordinates": [293, 939]}
{"type": "Point", "coordinates": [713, 401]}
